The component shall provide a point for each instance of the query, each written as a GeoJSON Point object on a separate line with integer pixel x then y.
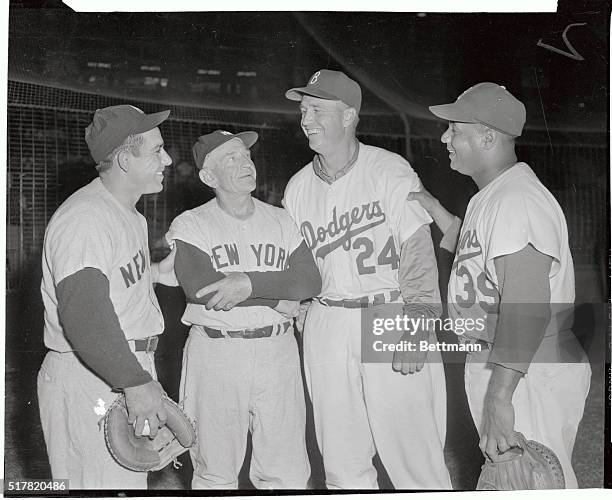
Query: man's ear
{"type": "Point", "coordinates": [123, 160]}
{"type": "Point", "coordinates": [348, 116]}
{"type": "Point", "coordinates": [207, 178]}
{"type": "Point", "coordinates": [489, 138]}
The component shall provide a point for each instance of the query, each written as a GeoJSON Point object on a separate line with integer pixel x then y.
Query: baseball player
{"type": "Point", "coordinates": [102, 317]}
{"type": "Point", "coordinates": [236, 256]}
{"type": "Point", "coordinates": [373, 249]}
{"type": "Point", "coordinates": [513, 267]}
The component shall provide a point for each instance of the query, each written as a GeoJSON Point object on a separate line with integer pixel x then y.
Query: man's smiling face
{"type": "Point", "coordinates": [322, 122]}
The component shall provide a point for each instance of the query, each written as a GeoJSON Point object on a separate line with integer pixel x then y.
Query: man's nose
{"type": "Point", "coordinates": [166, 159]}
{"type": "Point", "coordinates": [307, 117]}
{"type": "Point", "coordinates": [446, 136]}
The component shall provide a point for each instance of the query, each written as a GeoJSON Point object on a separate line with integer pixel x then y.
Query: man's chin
{"type": "Point", "coordinates": [155, 188]}
{"type": "Point", "coordinates": [315, 144]}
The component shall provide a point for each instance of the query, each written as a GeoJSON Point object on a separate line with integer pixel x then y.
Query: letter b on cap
{"type": "Point", "coordinates": [314, 78]}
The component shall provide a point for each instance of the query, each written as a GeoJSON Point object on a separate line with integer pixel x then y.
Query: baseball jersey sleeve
{"type": "Point", "coordinates": [92, 249]}
{"type": "Point", "coordinates": [522, 217]}
{"type": "Point", "coordinates": [188, 228]}
{"type": "Point", "coordinates": [405, 217]}
{"type": "Point", "coordinates": [289, 197]}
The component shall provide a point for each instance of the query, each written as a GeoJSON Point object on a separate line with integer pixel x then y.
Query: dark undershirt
{"type": "Point", "coordinates": [301, 280]}
{"type": "Point", "coordinates": [418, 276]}
{"type": "Point", "coordinates": [92, 328]}
{"type": "Point", "coordinates": [524, 309]}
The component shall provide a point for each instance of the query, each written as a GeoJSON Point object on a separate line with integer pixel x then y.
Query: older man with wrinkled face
{"type": "Point", "coordinates": [244, 268]}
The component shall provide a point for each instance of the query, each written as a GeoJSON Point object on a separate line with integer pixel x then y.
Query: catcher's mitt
{"type": "Point", "coordinates": [141, 453]}
{"type": "Point", "coordinates": [533, 466]}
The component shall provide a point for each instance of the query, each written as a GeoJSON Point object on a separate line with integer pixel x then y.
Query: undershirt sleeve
{"type": "Point", "coordinates": [92, 328]}
{"type": "Point", "coordinates": [301, 280]}
{"type": "Point", "coordinates": [524, 310]}
{"type": "Point", "coordinates": [194, 270]}
{"type": "Point", "coordinates": [418, 276]}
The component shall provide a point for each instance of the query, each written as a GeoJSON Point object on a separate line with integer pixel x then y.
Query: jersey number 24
{"type": "Point", "coordinates": [387, 256]}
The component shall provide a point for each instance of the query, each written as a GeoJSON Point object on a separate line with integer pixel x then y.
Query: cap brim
{"type": "Point", "coordinates": [151, 121]}
{"type": "Point", "coordinates": [296, 94]}
{"type": "Point", "coordinates": [249, 138]}
{"type": "Point", "coordinates": [452, 113]}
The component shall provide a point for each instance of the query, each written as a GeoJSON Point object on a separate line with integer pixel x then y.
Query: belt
{"type": "Point", "coordinates": [148, 344]}
{"type": "Point", "coordinates": [363, 302]}
{"type": "Point", "coordinates": [255, 333]}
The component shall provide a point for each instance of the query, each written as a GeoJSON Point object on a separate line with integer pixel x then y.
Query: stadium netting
{"type": "Point", "coordinates": [48, 160]}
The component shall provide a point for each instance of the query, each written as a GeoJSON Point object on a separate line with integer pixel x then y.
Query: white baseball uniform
{"type": "Point", "coordinates": [509, 213]}
{"type": "Point", "coordinates": [354, 227]}
{"type": "Point", "coordinates": [233, 385]}
{"type": "Point", "coordinates": [92, 230]}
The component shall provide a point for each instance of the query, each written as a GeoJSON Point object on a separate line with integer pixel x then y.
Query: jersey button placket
{"type": "Point", "coordinates": [330, 204]}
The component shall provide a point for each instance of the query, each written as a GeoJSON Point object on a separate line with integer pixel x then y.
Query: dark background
{"type": "Point", "coordinates": [230, 71]}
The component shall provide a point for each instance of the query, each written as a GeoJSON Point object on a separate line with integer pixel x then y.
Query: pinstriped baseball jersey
{"type": "Point", "coordinates": [263, 242]}
{"type": "Point", "coordinates": [355, 226]}
{"type": "Point", "coordinates": [91, 229]}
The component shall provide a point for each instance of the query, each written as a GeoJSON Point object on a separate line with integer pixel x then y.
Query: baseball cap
{"type": "Point", "coordinates": [486, 103]}
{"type": "Point", "coordinates": [111, 126]}
{"type": "Point", "coordinates": [328, 84]}
{"type": "Point", "coordinates": [209, 142]}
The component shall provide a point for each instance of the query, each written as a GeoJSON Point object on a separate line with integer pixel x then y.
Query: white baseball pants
{"type": "Point", "coordinates": [548, 403]}
{"type": "Point", "coordinates": [232, 385]}
{"type": "Point", "coordinates": [72, 401]}
{"type": "Point", "coordinates": [364, 408]}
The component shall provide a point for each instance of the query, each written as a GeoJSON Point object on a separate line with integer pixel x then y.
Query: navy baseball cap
{"type": "Point", "coordinates": [111, 126]}
{"type": "Point", "coordinates": [332, 85]}
{"type": "Point", "coordinates": [486, 103]}
{"type": "Point", "coordinates": [209, 142]}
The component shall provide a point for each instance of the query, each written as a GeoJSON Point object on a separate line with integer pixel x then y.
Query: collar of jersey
{"type": "Point", "coordinates": [320, 172]}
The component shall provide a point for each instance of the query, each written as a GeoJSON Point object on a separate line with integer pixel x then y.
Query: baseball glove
{"type": "Point", "coordinates": [141, 453]}
{"type": "Point", "coordinates": [533, 466]}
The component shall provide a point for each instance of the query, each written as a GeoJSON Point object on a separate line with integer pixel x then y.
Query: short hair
{"type": "Point", "coordinates": [206, 163]}
{"type": "Point", "coordinates": [131, 144]}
